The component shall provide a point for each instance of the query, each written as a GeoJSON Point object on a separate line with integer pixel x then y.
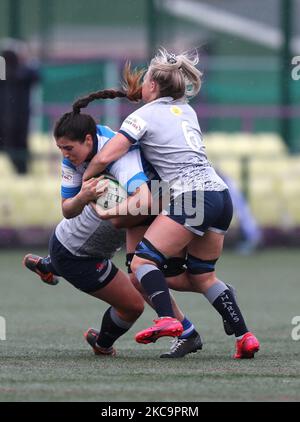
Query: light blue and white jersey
{"type": "Point", "coordinates": [128, 171]}
{"type": "Point", "coordinates": [170, 138]}
{"type": "Point", "coordinates": [86, 234]}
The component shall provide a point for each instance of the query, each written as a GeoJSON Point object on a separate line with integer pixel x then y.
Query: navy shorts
{"type": "Point", "coordinates": [86, 274]}
{"type": "Point", "coordinates": [200, 211]}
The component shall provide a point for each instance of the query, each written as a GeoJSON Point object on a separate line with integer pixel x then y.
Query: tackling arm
{"type": "Point", "coordinates": [135, 205]}
{"type": "Point", "coordinates": [115, 148]}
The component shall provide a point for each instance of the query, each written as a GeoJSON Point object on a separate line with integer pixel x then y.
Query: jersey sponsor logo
{"type": "Point", "coordinates": [67, 175]}
{"type": "Point", "coordinates": [135, 124]}
{"type": "Point", "coordinates": [176, 110]}
{"type": "Point", "coordinates": [100, 266]}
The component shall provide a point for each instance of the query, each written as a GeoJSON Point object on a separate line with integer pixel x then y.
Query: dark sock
{"type": "Point", "coordinates": [188, 328]}
{"type": "Point", "coordinates": [156, 288]}
{"type": "Point", "coordinates": [112, 328]}
{"type": "Point", "coordinates": [45, 266]}
{"type": "Point", "coordinates": [224, 302]}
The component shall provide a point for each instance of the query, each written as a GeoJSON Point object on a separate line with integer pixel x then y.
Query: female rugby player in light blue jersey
{"type": "Point", "coordinates": [83, 243]}
{"type": "Point", "coordinates": [200, 209]}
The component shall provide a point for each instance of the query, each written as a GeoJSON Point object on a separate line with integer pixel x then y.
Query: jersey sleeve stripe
{"type": "Point", "coordinates": [67, 193]}
{"type": "Point", "coordinates": [130, 138]}
{"type": "Point", "coordinates": [134, 147]}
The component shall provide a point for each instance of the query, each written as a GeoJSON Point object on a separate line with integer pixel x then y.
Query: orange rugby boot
{"type": "Point", "coordinates": [246, 347]}
{"type": "Point", "coordinates": [91, 336]}
{"type": "Point", "coordinates": [163, 327]}
{"type": "Point", "coordinates": [31, 261]}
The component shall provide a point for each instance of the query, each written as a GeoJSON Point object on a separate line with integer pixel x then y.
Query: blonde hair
{"type": "Point", "coordinates": [177, 76]}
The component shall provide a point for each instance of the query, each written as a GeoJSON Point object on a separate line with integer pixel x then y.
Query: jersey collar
{"type": "Point", "coordinates": [167, 100]}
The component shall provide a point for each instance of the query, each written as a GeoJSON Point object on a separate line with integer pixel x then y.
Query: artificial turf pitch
{"type": "Point", "coordinates": [45, 357]}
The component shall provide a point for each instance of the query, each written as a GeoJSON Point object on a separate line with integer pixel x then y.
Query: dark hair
{"type": "Point", "coordinates": [75, 126]}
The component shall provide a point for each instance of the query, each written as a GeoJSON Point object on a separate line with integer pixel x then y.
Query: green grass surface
{"type": "Point", "coordinates": [45, 357]}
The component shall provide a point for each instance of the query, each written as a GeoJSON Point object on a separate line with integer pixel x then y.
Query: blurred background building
{"type": "Point", "coordinates": [248, 108]}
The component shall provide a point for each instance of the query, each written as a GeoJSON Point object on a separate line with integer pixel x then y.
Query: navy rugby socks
{"type": "Point", "coordinates": [223, 300]}
{"type": "Point", "coordinates": [188, 328]}
{"type": "Point", "coordinates": [156, 288]}
{"type": "Point", "coordinates": [112, 328]}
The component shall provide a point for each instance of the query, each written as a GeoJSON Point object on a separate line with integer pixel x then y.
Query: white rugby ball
{"type": "Point", "coordinates": [115, 194]}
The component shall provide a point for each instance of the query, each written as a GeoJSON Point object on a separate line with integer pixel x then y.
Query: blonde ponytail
{"type": "Point", "coordinates": [176, 75]}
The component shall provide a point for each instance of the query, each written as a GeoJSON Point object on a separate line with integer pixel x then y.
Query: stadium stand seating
{"type": "Point", "coordinates": [261, 166]}
{"type": "Point", "coordinates": [29, 201]}
{"type": "Point", "coordinates": [6, 167]}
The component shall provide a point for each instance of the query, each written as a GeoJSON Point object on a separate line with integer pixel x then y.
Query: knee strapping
{"type": "Point", "coordinates": [173, 267]}
{"type": "Point", "coordinates": [146, 250]}
{"type": "Point", "coordinates": [200, 266]}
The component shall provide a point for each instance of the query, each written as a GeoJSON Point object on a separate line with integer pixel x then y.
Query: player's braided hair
{"type": "Point", "coordinates": [132, 90]}
{"type": "Point", "coordinates": [75, 125]}
{"type": "Point", "coordinates": [100, 95]}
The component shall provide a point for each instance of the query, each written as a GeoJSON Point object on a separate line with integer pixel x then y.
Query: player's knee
{"type": "Point", "coordinates": [197, 266]}
{"type": "Point", "coordinates": [135, 264]}
{"type": "Point", "coordinates": [180, 283]}
{"type": "Point", "coordinates": [146, 252]}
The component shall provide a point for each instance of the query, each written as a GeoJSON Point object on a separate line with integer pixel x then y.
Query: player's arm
{"type": "Point", "coordinates": [71, 207]}
{"type": "Point", "coordinates": [137, 204]}
{"type": "Point", "coordinates": [117, 146]}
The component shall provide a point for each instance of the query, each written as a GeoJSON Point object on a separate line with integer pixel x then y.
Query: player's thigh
{"type": "Point", "coordinates": [133, 236]}
{"type": "Point", "coordinates": [168, 236]}
{"type": "Point", "coordinates": [207, 247]}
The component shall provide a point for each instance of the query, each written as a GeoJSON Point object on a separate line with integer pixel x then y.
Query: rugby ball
{"type": "Point", "coordinates": [115, 194]}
